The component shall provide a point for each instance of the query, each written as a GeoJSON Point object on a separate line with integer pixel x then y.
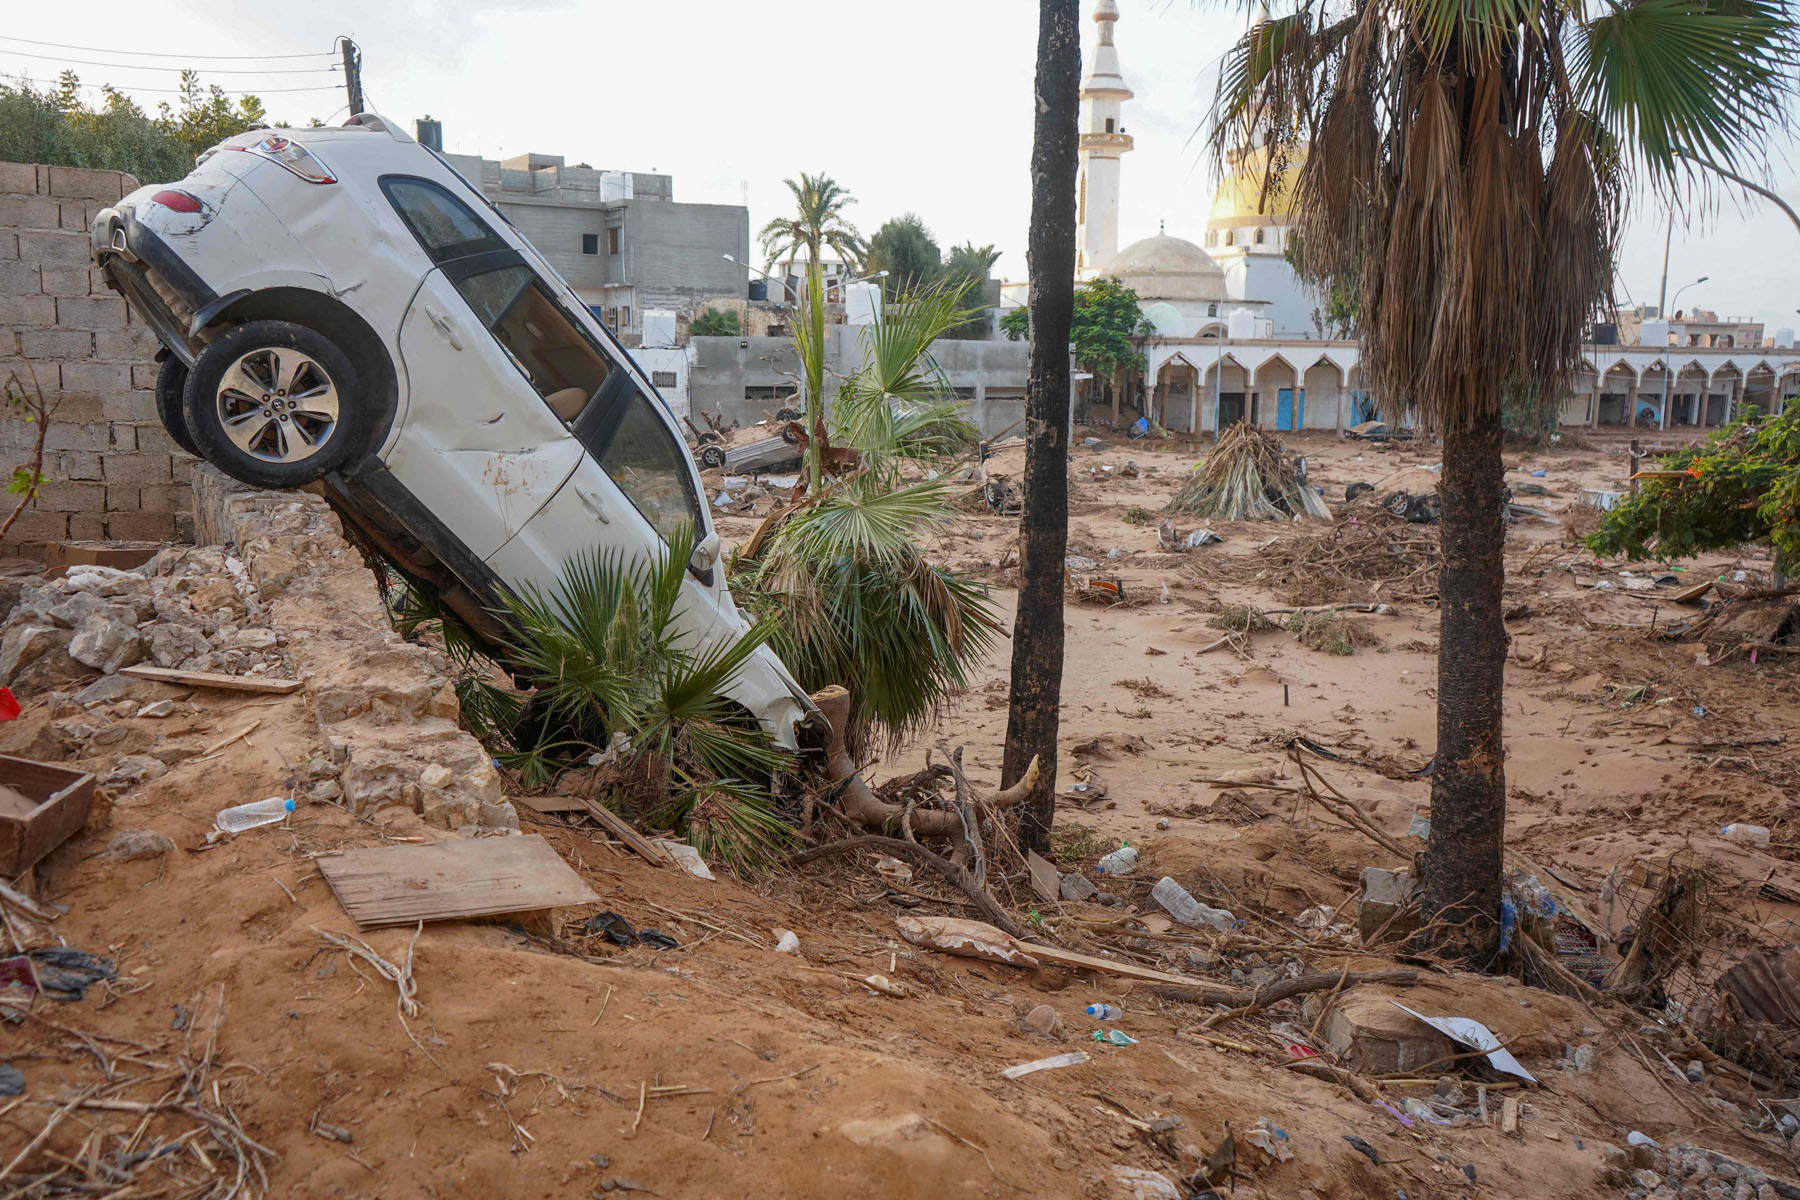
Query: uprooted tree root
{"type": "Point", "coordinates": [1330, 632]}
{"type": "Point", "coordinates": [1378, 557]}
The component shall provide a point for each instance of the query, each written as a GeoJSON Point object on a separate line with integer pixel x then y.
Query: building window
{"type": "Point", "coordinates": [1212, 310]}
{"type": "Point", "coordinates": [663, 379]}
{"type": "Point", "coordinates": [1259, 237]}
{"type": "Point", "coordinates": [625, 317]}
{"type": "Point", "coordinates": [1109, 125]}
{"type": "Point", "coordinates": [1231, 237]}
{"type": "Point", "coordinates": [590, 243]}
{"type": "Point", "coordinates": [612, 240]}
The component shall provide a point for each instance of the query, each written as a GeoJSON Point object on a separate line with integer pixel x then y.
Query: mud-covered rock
{"type": "Point", "coordinates": [106, 644]}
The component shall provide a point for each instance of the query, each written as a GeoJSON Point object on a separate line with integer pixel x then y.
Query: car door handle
{"type": "Point", "coordinates": [444, 327]}
{"type": "Point", "coordinates": [594, 504]}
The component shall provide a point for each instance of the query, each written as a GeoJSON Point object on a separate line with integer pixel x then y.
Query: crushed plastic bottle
{"type": "Point", "coordinates": [1176, 901]}
{"type": "Point", "coordinates": [1120, 861]}
{"type": "Point", "coordinates": [1737, 831]}
{"type": "Point", "coordinates": [258, 812]}
{"type": "Point", "coordinates": [1105, 1012]}
{"type": "Point", "coordinates": [1114, 1037]}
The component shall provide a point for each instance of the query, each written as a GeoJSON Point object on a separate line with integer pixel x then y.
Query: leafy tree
{"type": "Point", "coordinates": [1742, 486]}
{"type": "Point", "coordinates": [843, 578]}
{"type": "Point", "coordinates": [1467, 172]}
{"type": "Point", "coordinates": [56, 126]}
{"type": "Point", "coordinates": [1107, 330]}
{"type": "Point", "coordinates": [905, 249]}
{"type": "Point", "coordinates": [716, 322]}
{"type": "Point", "coordinates": [817, 224]}
{"type": "Point", "coordinates": [970, 268]}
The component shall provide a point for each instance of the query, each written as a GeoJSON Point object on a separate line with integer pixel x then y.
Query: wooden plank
{"type": "Point", "coordinates": [620, 828]}
{"type": "Point", "coordinates": [1509, 1115]}
{"type": "Point", "coordinates": [1044, 878]}
{"type": "Point", "coordinates": [453, 880]}
{"type": "Point", "coordinates": [214, 679]}
{"type": "Point", "coordinates": [1689, 594]}
{"type": "Point", "coordinates": [1107, 966]}
{"type": "Point", "coordinates": [551, 804]}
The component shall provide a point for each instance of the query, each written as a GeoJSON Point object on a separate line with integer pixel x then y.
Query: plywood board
{"type": "Point", "coordinates": [552, 804]}
{"type": "Point", "coordinates": [447, 881]}
{"type": "Point", "coordinates": [214, 679]}
{"type": "Point", "coordinates": [1045, 880]}
{"type": "Point", "coordinates": [622, 829]}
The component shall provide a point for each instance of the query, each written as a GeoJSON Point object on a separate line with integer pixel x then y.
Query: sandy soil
{"type": "Point", "coordinates": [530, 1070]}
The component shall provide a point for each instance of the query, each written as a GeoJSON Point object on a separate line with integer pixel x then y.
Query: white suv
{"type": "Point", "coordinates": [339, 305]}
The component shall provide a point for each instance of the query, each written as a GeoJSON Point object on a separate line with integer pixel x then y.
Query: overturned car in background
{"type": "Point", "coordinates": [337, 306]}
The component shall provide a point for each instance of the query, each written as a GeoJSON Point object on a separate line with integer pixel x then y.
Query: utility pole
{"type": "Point", "coordinates": [352, 75]}
{"type": "Point", "coordinates": [1662, 293]}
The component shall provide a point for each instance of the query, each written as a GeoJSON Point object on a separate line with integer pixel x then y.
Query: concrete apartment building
{"type": "Point", "coordinates": [620, 238]}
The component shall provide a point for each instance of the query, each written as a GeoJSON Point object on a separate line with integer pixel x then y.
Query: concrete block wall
{"type": "Point", "coordinates": [111, 470]}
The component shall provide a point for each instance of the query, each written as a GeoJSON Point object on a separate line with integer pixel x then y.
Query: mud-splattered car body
{"type": "Point", "coordinates": [339, 305]}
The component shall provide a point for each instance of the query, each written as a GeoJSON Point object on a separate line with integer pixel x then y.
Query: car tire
{"type": "Point", "coordinates": [712, 456]}
{"type": "Point", "coordinates": [171, 381]}
{"type": "Point", "coordinates": [235, 396]}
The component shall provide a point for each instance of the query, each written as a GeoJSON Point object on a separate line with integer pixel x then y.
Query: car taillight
{"type": "Point", "coordinates": [292, 155]}
{"type": "Point", "coordinates": [177, 201]}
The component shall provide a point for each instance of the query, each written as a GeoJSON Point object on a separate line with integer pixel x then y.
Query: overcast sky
{"type": "Point", "coordinates": [923, 107]}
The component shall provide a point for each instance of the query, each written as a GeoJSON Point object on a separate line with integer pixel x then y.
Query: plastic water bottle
{"type": "Point", "coordinates": [1104, 1012]}
{"type": "Point", "coordinates": [257, 812]}
{"type": "Point", "coordinates": [1114, 1037]}
{"type": "Point", "coordinates": [1176, 901]}
{"type": "Point", "coordinates": [1120, 861]}
{"type": "Point", "coordinates": [1737, 831]}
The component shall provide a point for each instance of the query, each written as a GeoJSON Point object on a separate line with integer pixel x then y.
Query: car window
{"type": "Point", "coordinates": [444, 225]}
{"type": "Point", "coordinates": [651, 468]}
{"type": "Point", "coordinates": [544, 343]}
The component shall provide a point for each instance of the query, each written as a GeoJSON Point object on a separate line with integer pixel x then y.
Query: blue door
{"type": "Point", "coordinates": [1290, 408]}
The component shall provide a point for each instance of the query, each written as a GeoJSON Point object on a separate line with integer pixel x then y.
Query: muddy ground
{"type": "Point", "coordinates": [545, 1062]}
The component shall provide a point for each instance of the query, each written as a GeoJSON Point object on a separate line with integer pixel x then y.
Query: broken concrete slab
{"type": "Point", "coordinates": [106, 643]}
{"type": "Point", "coordinates": [1389, 910]}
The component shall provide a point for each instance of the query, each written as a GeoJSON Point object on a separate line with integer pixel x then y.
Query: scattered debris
{"type": "Point", "coordinates": [968, 939]}
{"type": "Point", "coordinates": [1073, 1058]}
{"type": "Point", "coordinates": [51, 803]}
{"type": "Point", "coordinates": [215, 679]}
{"type": "Point", "coordinates": [1476, 1036]}
{"type": "Point", "coordinates": [1248, 477]}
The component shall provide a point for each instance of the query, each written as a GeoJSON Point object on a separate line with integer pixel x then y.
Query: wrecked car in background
{"type": "Point", "coordinates": [338, 306]}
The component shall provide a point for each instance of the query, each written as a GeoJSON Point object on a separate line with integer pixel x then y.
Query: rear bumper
{"type": "Point", "coordinates": [156, 283]}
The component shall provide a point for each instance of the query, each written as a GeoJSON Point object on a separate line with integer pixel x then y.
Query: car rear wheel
{"type": "Point", "coordinates": [712, 456]}
{"type": "Point", "coordinates": [275, 404]}
{"type": "Point", "coordinates": [171, 381]}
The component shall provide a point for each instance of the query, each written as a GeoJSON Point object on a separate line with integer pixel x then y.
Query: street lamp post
{"type": "Point", "coordinates": [1666, 372]}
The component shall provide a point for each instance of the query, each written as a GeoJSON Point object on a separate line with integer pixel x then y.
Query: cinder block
{"type": "Point", "coordinates": [152, 438]}
{"type": "Point", "coordinates": [82, 408]}
{"type": "Point", "coordinates": [30, 310]}
{"type": "Point", "coordinates": [65, 281]}
{"type": "Point", "coordinates": [96, 377]}
{"type": "Point", "coordinates": [65, 436]}
{"type": "Point", "coordinates": [135, 468]}
{"type": "Point", "coordinates": [53, 246]}
{"type": "Point", "coordinates": [78, 464]}
{"type": "Point", "coordinates": [184, 522]}
{"type": "Point", "coordinates": [9, 245]}
{"type": "Point", "coordinates": [42, 345]}
{"type": "Point", "coordinates": [20, 279]}
{"type": "Point", "coordinates": [18, 178]}
{"type": "Point", "coordinates": [1389, 909]}
{"type": "Point", "coordinates": [75, 217]}
{"type": "Point", "coordinates": [85, 183]}
{"type": "Point", "coordinates": [89, 312]}
{"type": "Point", "coordinates": [123, 438]}
{"type": "Point", "coordinates": [141, 527]}
{"type": "Point", "coordinates": [87, 527]}
{"type": "Point", "coordinates": [127, 406]}
{"type": "Point", "coordinates": [71, 497]}
{"type": "Point", "coordinates": [134, 343]}
{"type": "Point", "coordinates": [165, 497]}
{"type": "Point", "coordinates": [143, 375]}
{"type": "Point", "coordinates": [123, 499]}
{"type": "Point", "coordinates": [29, 212]}
{"type": "Point", "coordinates": [40, 527]}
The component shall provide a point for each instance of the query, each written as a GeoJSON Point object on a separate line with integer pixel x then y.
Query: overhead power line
{"type": "Point", "coordinates": [155, 54]}
{"type": "Point", "coordinates": [179, 91]}
{"type": "Point", "coordinates": [89, 62]}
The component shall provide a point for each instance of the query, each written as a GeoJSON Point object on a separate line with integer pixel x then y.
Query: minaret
{"type": "Point", "coordinates": [1103, 140]}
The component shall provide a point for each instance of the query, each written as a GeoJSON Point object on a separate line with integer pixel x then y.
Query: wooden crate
{"type": "Point", "coordinates": [63, 798]}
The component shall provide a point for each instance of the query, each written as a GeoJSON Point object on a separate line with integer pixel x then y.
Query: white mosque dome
{"type": "Point", "coordinates": [1168, 268]}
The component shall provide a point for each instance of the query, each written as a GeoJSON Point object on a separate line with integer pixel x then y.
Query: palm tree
{"type": "Point", "coordinates": [817, 224]}
{"type": "Point", "coordinates": [1466, 171]}
{"type": "Point", "coordinates": [1031, 719]}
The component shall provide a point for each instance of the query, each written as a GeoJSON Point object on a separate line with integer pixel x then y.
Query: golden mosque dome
{"type": "Point", "coordinates": [1241, 199]}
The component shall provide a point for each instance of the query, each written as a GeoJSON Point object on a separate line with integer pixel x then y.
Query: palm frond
{"type": "Point", "coordinates": [862, 521]}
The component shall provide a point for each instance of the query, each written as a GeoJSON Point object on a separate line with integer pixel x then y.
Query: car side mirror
{"type": "Point", "coordinates": [706, 553]}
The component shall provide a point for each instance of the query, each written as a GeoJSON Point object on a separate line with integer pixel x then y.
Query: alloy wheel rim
{"type": "Point", "coordinates": [277, 404]}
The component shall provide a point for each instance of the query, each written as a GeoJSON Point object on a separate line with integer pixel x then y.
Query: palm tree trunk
{"type": "Point", "coordinates": [1462, 864]}
{"type": "Point", "coordinates": [1031, 722]}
